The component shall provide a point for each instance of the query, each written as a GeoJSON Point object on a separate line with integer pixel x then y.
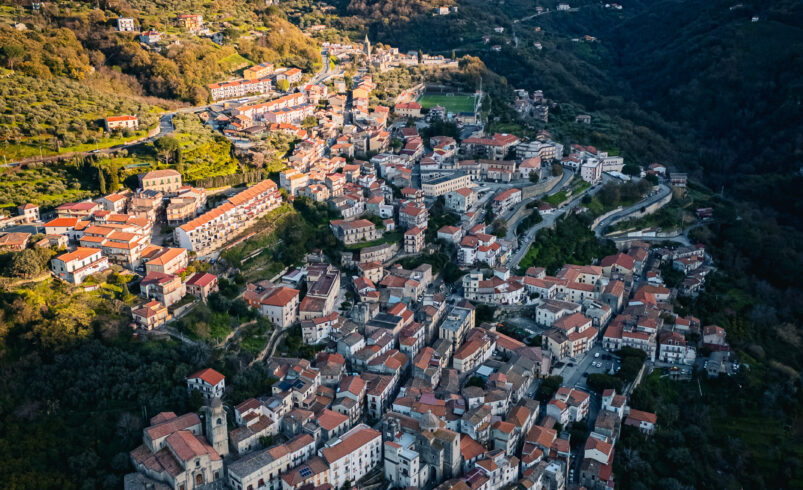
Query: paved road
{"type": "Point", "coordinates": [548, 222]}
{"type": "Point", "coordinates": [511, 227]}
{"type": "Point", "coordinates": [663, 191]}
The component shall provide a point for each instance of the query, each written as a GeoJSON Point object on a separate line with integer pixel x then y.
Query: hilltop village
{"type": "Point", "coordinates": [482, 371]}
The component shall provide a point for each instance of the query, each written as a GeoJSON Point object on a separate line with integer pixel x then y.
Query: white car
{"type": "Point", "coordinates": [596, 355]}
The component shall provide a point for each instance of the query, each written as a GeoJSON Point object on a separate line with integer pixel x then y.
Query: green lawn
{"type": "Point", "coordinates": [556, 199]}
{"type": "Point", "coordinates": [452, 103]}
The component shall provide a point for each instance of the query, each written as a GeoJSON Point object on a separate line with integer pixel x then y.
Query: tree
{"type": "Point", "coordinates": [101, 180]}
{"type": "Point", "coordinates": [27, 263]}
{"type": "Point", "coordinates": [309, 122]}
{"type": "Point", "coordinates": [500, 228]}
{"type": "Point", "coordinates": [283, 85]}
{"type": "Point", "coordinates": [13, 53]}
{"type": "Point", "coordinates": [548, 388]}
{"type": "Point", "coordinates": [166, 145]}
{"type": "Point", "coordinates": [534, 177]}
{"type": "Point", "coordinates": [600, 382]}
{"type": "Point", "coordinates": [631, 169]}
{"type": "Point", "coordinates": [557, 169]}
{"type": "Point", "coordinates": [610, 194]}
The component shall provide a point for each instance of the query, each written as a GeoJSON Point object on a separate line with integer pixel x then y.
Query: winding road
{"type": "Point", "coordinates": [663, 191]}
{"type": "Point", "coordinates": [549, 221]}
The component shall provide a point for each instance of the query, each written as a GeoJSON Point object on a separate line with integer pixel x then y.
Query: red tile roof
{"type": "Point", "coordinates": [209, 375]}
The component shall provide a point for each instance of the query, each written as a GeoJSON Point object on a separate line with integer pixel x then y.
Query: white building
{"type": "Point", "coordinates": [460, 200]}
{"type": "Point", "coordinates": [239, 88]}
{"type": "Point", "coordinates": [126, 24]}
{"type": "Point", "coordinates": [353, 455]}
{"type": "Point", "coordinates": [591, 171]}
{"type": "Point", "coordinates": [447, 183]}
{"type": "Point", "coordinates": [214, 228]}
{"type": "Point", "coordinates": [209, 382]}
{"type": "Point", "coordinates": [281, 306]}
{"type": "Point", "coordinates": [75, 266]}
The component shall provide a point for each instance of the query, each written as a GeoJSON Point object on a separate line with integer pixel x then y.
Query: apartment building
{"type": "Point", "coordinates": [168, 261]}
{"type": "Point", "coordinates": [505, 200]}
{"type": "Point", "coordinates": [351, 232]}
{"type": "Point", "coordinates": [323, 285]}
{"type": "Point", "coordinates": [264, 469]}
{"type": "Point", "coordinates": [213, 229]}
{"type": "Point", "coordinates": [239, 88]}
{"type": "Point", "coordinates": [186, 205]}
{"type": "Point", "coordinates": [353, 455]}
{"type": "Point", "coordinates": [495, 148]}
{"type": "Point", "coordinates": [255, 72]}
{"type": "Point", "coordinates": [460, 200]}
{"type": "Point", "coordinates": [167, 181]}
{"type": "Point", "coordinates": [458, 322]}
{"type": "Point", "coordinates": [293, 181]}
{"type": "Point", "coordinates": [414, 240]}
{"type": "Point", "coordinates": [477, 349]}
{"type": "Point", "coordinates": [445, 184]}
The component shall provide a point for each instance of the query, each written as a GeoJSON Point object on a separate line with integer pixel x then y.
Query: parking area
{"type": "Point", "coordinates": [597, 360]}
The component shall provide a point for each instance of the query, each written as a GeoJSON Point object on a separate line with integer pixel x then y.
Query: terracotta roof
{"type": "Point", "coordinates": [209, 375]}
{"type": "Point", "coordinates": [79, 253]}
{"type": "Point", "coordinates": [201, 279]}
{"type": "Point", "coordinates": [282, 296]}
{"type": "Point", "coordinates": [330, 420]}
{"type": "Point", "coordinates": [469, 448]}
{"type": "Point", "coordinates": [62, 222]}
{"type": "Point", "coordinates": [156, 174]}
{"type": "Point", "coordinates": [642, 416]}
{"type": "Point", "coordinates": [167, 256]}
{"type": "Point", "coordinates": [172, 425]}
{"type": "Point", "coordinates": [351, 443]}
{"type": "Point", "coordinates": [121, 118]}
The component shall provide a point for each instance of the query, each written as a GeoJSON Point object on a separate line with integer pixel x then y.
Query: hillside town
{"type": "Point", "coordinates": [412, 383]}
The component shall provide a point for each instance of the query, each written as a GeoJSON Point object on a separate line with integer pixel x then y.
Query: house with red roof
{"type": "Point", "coordinates": [620, 263]}
{"type": "Point", "coordinates": [202, 284]}
{"type": "Point", "coordinates": [598, 450]}
{"type": "Point", "coordinates": [407, 109]}
{"type": "Point", "coordinates": [115, 123]}
{"type": "Point", "coordinates": [209, 382]}
{"type": "Point", "coordinates": [460, 200]}
{"type": "Point", "coordinates": [77, 265]}
{"type": "Point", "coordinates": [643, 421]}
{"type": "Point", "coordinates": [495, 148]}
{"type": "Point", "coordinates": [280, 306]}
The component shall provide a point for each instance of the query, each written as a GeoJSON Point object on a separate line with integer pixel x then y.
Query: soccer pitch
{"type": "Point", "coordinates": [452, 103]}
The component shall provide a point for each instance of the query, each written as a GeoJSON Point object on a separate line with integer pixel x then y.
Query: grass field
{"type": "Point", "coordinates": [452, 103]}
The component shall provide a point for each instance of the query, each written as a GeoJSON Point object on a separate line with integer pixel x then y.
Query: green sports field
{"type": "Point", "coordinates": [452, 103]}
